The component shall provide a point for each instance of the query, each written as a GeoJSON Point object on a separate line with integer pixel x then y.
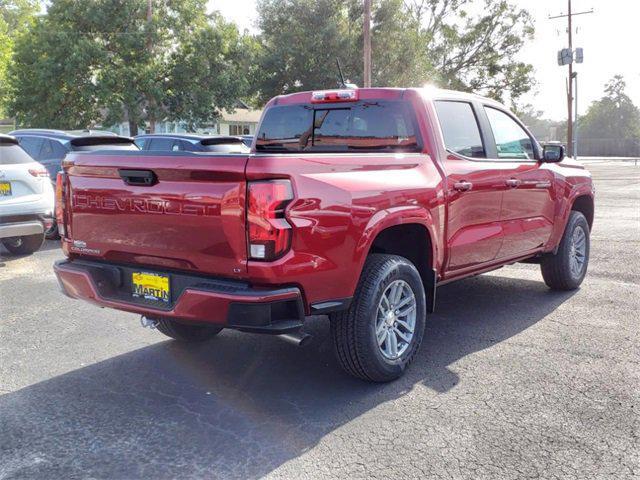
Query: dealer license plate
{"type": "Point", "coordinates": [151, 286]}
{"type": "Point", "coordinates": [5, 189]}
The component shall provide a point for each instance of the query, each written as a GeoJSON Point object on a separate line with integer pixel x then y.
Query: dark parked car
{"type": "Point", "coordinates": [247, 139]}
{"type": "Point", "coordinates": [49, 147]}
{"type": "Point", "coordinates": [185, 142]}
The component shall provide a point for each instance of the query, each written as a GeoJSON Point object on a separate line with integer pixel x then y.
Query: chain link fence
{"type": "Point", "coordinates": [608, 147]}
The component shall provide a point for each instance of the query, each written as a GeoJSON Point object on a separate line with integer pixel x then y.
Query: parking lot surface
{"type": "Point", "coordinates": [513, 381]}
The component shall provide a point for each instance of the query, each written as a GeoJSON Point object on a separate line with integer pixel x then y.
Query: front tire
{"type": "Point", "coordinates": [186, 333]}
{"type": "Point", "coordinates": [378, 336]}
{"type": "Point", "coordinates": [24, 245]}
{"type": "Point", "coordinates": [567, 268]}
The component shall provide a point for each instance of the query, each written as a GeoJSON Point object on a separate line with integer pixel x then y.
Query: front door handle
{"type": "Point", "coordinates": [513, 183]}
{"type": "Point", "coordinates": [463, 186]}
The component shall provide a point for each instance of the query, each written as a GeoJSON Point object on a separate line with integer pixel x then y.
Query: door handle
{"type": "Point", "coordinates": [463, 186]}
{"type": "Point", "coordinates": [513, 183]}
{"type": "Point", "coordinates": [143, 178]}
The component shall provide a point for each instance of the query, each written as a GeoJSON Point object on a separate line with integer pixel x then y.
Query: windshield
{"type": "Point", "coordinates": [365, 126]}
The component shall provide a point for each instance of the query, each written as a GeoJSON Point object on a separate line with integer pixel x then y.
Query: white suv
{"type": "Point", "coordinates": [26, 199]}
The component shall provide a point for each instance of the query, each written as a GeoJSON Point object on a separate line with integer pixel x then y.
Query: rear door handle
{"type": "Point", "coordinates": [513, 183]}
{"type": "Point", "coordinates": [463, 186]}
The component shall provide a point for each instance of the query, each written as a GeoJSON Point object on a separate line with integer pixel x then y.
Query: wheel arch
{"type": "Point", "coordinates": [412, 239]}
{"type": "Point", "coordinates": [409, 240]}
{"type": "Point", "coordinates": [585, 205]}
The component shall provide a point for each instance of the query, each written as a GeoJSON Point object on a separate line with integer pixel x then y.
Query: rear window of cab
{"type": "Point", "coordinates": [363, 126]}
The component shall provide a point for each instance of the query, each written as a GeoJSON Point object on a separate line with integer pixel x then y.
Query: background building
{"type": "Point", "coordinates": [242, 121]}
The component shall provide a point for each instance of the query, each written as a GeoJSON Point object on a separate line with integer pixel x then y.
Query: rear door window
{"type": "Point", "coordinates": [365, 126]}
{"type": "Point", "coordinates": [460, 128]}
{"type": "Point", "coordinates": [13, 155]}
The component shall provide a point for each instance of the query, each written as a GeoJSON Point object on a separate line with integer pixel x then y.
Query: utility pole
{"type": "Point", "coordinates": [150, 101]}
{"type": "Point", "coordinates": [367, 43]}
{"type": "Point", "coordinates": [570, 79]}
{"type": "Point", "coordinates": [570, 89]}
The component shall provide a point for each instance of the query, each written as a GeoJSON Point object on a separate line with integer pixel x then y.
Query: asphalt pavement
{"type": "Point", "coordinates": [512, 381]}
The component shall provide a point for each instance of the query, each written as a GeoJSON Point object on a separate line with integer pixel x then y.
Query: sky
{"type": "Point", "coordinates": [608, 36]}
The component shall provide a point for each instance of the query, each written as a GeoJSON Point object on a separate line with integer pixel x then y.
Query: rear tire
{"type": "Point", "coordinates": [52, 233]}
{"type": "Point", "coordinates": [567, 268]}
{"type": "Point", "coordinates": [362, 333]}
{"type": "Point", "coordinates": [186, 333]}
{"type": "Point", "coordinates": [24, 245]}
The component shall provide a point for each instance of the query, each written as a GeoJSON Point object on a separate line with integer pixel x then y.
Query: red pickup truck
{"type": "Point", "coordinates": [355, 203]}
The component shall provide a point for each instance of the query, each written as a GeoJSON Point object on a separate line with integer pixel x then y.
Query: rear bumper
{"type": "Point", "coordinates": [195, 299]}
{"type": "Point", "coordinates": [21, 225]}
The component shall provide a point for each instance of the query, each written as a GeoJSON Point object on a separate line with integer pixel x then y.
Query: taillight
{"type": "Point", "coordinates": [38, 172]}
{"type": "Point", "coordinates": [269, 233]}
{"type": "Point", "coordinates": [60, 195]}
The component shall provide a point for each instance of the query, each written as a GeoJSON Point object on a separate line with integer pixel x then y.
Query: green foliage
{"type": "Point", "coordinates": [16, 16]}
{"type": "Point", "coordinates": [613, 116]}
{"type": "Point", "coordinates": [200, 85]}
{"type": "Point", "coordinates": [301, 40]}
{"type": "Point", "coordinates": [104, 61]}
{"type": "Point", "coordinates": [413, 43]}
{"type": "Point", "coordinates": [6, 47]}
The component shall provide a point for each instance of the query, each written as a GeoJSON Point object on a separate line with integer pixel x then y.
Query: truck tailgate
{"type": "Point", "coordinates": [182, 211]}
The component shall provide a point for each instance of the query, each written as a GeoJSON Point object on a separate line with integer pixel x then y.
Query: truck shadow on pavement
{"type": "Point", "coordinates": [240, 405]}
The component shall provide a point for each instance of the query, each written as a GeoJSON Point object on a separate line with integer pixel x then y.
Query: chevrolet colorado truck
{"type": "Point", "coordinates": [355, 203]}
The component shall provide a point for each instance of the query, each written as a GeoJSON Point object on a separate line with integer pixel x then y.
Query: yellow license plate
{"type": "Point", "coordinates": [152, 286]}
{"type": "Point", "coordinates": [5, 189]}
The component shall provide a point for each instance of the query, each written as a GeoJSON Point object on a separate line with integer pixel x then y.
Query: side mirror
{"type": "Point", "coordinates": [552, 153]}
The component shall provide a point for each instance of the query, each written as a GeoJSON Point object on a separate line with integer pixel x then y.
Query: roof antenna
{"type": "Point", "coordinates": [343, 83]}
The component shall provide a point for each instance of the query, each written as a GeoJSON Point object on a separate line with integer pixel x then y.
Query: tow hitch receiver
{"type": "Point", "coordinates": [147, 322]}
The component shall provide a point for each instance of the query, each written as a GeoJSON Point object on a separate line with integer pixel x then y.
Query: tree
{"type": "Point", "coordinates": [15, 18]}
{"type": "Point", "coordinates": [18, 14]}
{"type": "Point", "coordinates": [414, 42]}
{"type": "Point", "coordinates": [300, 43]}
{"type": "Point", "coordinates": [613, 116]}
{"type": "Point", "coordinates": [109, 60]}
{"type": "Point", "coordinates": [6, 47]}
{"type": "Point", "coordinates": [476, 52]}
{"type": "Point", "coordinates": [198, 81]}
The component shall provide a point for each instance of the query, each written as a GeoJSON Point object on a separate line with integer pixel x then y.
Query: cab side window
{"type": "Point", "coordinates": [512, 141]}
{"type": "Point", "coordinates": [460, 128]}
